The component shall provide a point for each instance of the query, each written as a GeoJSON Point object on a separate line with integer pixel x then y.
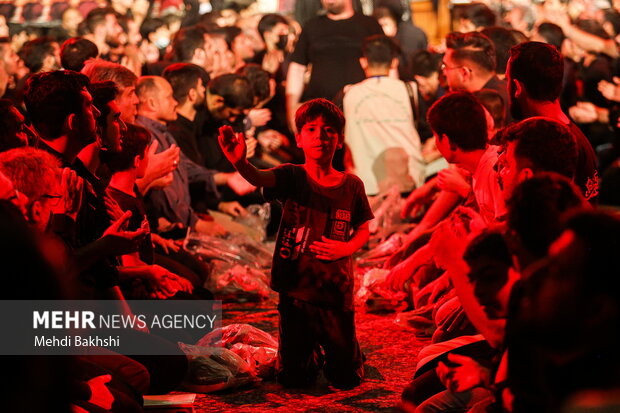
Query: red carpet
{"type": "Point", "coordinates": [391, 353]}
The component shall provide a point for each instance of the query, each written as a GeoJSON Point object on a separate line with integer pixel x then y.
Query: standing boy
{"type": "Point", "coordinates": [325, 220]}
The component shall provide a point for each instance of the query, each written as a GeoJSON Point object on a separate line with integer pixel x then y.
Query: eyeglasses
{"type": "Point", "coordinates": [444, 67]}
{"type": "Point", "coordinates": [54, 199]}
{"type": "Point", "coordinates": [13, 197]}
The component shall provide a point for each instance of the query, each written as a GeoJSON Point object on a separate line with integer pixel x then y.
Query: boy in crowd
{"type": "Point", "coordinates": [325, 220]}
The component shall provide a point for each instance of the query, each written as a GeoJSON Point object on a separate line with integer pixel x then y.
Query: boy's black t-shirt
{"type": "Point", "coordinates": [333, 47]}
{"type": "Point", "coordinates": [311, 211]}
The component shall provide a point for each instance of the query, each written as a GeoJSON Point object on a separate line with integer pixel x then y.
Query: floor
{"type": "Point", "coordinates": [391, 353]}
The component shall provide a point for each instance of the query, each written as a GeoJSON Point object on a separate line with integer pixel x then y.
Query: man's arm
{"type": "Point", "coordinates": [294, 90]}
{"type": "Point", "coordinates": [440, 208]}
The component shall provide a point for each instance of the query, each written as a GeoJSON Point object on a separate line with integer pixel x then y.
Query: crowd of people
{"type": "Point", "coordinates": [124, 124]}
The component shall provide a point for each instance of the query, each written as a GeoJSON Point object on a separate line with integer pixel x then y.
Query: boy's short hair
{"type": "Point", "coordinates": [134, 143]}
{"type": "Point", "coordinates": [461, 117]}
{"type": "Point", "coordinates": [316, 108]}
{"type": "Point", "coordinates": [185, 42]}
{"type": "Point", "coordinates": [488, 246]}
{"type": "Point", "coordinates": [479, 14]}
{"type": "Point", "coordinates": [379, 50]}
{"type": "Point", "coordinates": [151, 25]}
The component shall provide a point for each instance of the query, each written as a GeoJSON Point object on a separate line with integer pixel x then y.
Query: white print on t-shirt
{"type": "Point", "coordinates": [293, 242]}
{"type": "Point", "coordinates": [592, 187]}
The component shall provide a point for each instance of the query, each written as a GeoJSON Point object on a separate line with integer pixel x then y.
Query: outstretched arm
{"type": "Point", "coordinates": [233, 146]}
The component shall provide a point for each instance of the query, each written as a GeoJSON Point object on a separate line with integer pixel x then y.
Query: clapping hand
{"type": "Point", "coordinates": [123, 242]}
{"type": "Point", "coordinates": [71, 190]}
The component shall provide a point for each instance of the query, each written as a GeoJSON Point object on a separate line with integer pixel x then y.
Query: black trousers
{"type": "Point", "coordinates": [305, 329]}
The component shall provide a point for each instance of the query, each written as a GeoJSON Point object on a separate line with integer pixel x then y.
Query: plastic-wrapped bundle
{"type": "Point", "coordinates": [215, 368]}
{"type": "Point", "coordinates": [257, 218]}
{"type": "Point", "coordinates": [232, 334]}
{"type": "Point", "coordinates": [234, 248]}
{"type": "Point", "coordinates": [261, 359]}
{"type": "Point", "coordinates": [258, 348]}
{"type": "Point", "coordinates": [380, 253]}
{"type": "Point", "coordinates": [238, 283]}
{"type": "Point", "coordinates": [376, 296]}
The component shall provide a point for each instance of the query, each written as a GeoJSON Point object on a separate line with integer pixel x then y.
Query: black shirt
{"type": "Point", "coordinates": [185, 132]}
{"type": "Point", "coordinates": [586, 174]}
{"type": "Point", "coordinates": [333, 47]}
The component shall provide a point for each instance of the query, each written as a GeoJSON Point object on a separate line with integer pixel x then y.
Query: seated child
{"type": "Point", "coordinates": [127, 166]}
{"type": "Point", "coordinates": [324, 221]}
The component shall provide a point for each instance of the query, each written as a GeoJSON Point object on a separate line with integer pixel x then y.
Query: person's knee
{"type": "Point", "coordinates": [345, 377]}
{"type": "Point", "coordinates": [134, 374]}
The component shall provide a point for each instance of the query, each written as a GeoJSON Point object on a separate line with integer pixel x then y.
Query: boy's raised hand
{"type": "Point", "coordinates": [233, 144]}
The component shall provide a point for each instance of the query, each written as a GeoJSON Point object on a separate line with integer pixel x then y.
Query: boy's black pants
{"type": "Point", "coordinates": [304, 329]}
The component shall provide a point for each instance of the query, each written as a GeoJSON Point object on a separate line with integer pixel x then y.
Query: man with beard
{"type": "Point", "coordinates": [534, 75]}
{"type": "Point", "coordinates": [65, 118]}
{"type": "Point", "coordinates": [103, 29]}
{"type": "Point", "coordinates": [62, 113]}
{"type": "Point", "coordinates": [172, 204]}
{"type": "Point", "coordinates": [332, 44]}
{"type": "Point", "coordinates": [188, 85]}
{"type": "Point", "coordinates": [110, 127]}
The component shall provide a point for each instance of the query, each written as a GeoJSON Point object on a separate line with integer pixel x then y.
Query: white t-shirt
{"type": "Point", "coordinates": [380, 132]}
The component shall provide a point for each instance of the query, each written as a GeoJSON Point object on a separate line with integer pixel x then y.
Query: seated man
{"type": "Point", "coordinates": [380, 129]}
{"type": "Point", "coordinates": [173, 204]}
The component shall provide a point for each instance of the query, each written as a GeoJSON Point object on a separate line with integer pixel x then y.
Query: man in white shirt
{"type": "Point", "coordinates": [380, 130]}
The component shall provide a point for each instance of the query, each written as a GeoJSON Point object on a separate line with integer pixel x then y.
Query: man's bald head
{"type": "Point", "coordinates": [156, 99]}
